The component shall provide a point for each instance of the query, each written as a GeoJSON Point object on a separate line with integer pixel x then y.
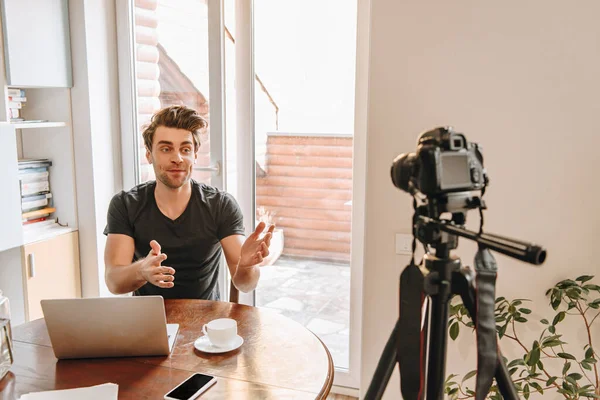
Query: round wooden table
{"type": "Point", "coordinates": [280, 359]}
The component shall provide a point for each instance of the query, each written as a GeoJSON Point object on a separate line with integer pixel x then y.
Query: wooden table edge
{"type": "Point", "coordinates": [322, 395]}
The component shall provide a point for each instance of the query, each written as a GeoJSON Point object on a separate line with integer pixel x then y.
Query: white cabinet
{"type": "Point", "coordinates": [37, 49]}
{"type": "Point", "coordinates": [51, 271]}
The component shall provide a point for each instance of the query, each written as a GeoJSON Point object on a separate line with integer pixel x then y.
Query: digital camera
{"type": "Point", "coordinates": [445, 162]}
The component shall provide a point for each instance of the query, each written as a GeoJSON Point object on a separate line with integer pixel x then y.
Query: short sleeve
{"type": "Point", "coordinates": [231, 220]}
{"type": "Point", "coordinates": [117, 220]}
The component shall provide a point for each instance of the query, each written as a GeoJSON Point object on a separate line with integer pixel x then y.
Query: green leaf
{"type": "Point", "coordinates": [515, 362]}
{"type": "Point", "coordinates": [594, 304]}
{"type": "Point", "coordinates": [451, 376]}
{"type": "Point", "coordinates": [587, 366]}
{"type": "Point", "coordinates": [551, 380]}
{"type": "Point", "coordinates": [566, 368]}
{"type": "Point", "coordinates": [502, 331]}
{"type": "Point", "coordinates": [526, 391]}
{"type": "Point", "coordinates": [571, 381]}
{"type": "Point", "coordinates": [513, 370]}
{"type": "Point", "coordinates": [499, 299]}
{"type": "Point", "coordinates": [453, 391]}
{"type": "Point", "coordinates": [584, 278]}
{"type": "Point", "coordinates": [552, 343]}
{"type": "Point", "coordinates": [469, 375]}
{"type": "Point", "coordinates": [574, 293]}
{"type": "Point", "coordinates": [552, 329]}
{"type": "Point", "coordinates": [567, 283]}
{"type": "Point", "coordinates": [534, 355]}
{"type": "Point", "coordinates": [555, 302]}
{"type": "Point", "coordinates": [575, 376]}
{"type": "Point", "coordinates": [589, 353]}
{"type": "Point", "coordinates": [454, 330]}
{"type": "Point", "coordinates": [544, 321]}
{"type": "Point", "coordinates": [537, 387]}
{"type": "Point", "coordinates": [566, 356]}
{"type": "Point", "coordinates": [525, 310]}
{"type": "Point", "coordinates": [592, 287]}
{"type": "Point", "coordinates": [559, 317]}
{"type": "Point", "coordinates": [518, 318]}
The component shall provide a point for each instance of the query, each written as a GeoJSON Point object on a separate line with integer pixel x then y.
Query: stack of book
{"type": "Point", "coordinates": [16, 100]}
{"type": "Point", "coordinates": [36, 198]}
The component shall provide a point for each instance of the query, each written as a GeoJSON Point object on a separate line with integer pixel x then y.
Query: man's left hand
{"type": "Point", "coordinates": [255, 249]}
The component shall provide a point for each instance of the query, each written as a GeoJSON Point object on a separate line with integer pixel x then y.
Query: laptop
{"type": "Point", "coordinates": [109, 327]}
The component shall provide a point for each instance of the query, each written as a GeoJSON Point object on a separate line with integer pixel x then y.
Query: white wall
{"type": "Point", "coordinates": [522, 79]}
{"type": "Point", "coordinates": [96, 130]}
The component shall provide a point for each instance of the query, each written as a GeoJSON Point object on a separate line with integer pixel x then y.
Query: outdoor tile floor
{"type": "Point", "coordinates": [314, 293]}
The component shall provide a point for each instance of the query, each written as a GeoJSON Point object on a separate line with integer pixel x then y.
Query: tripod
{"type": "Point", "coordinates": [445, 279]}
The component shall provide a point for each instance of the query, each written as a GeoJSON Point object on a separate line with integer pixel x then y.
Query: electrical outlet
{"type": "Point", "coordinates": [403, 244]}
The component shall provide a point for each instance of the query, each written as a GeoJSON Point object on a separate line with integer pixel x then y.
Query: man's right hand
{"type": "Point", "coordinates": [153, 272]}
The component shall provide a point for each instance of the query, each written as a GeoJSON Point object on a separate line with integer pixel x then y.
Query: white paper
{"type": "Point", "coordinates": [107, 391]}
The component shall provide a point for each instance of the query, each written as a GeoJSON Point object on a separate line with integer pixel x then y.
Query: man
{"type": "Point", "coordinates": [178, 221]}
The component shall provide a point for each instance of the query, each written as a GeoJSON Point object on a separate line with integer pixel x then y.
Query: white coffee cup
{"type": "Point", "coordinates": [221, 332]}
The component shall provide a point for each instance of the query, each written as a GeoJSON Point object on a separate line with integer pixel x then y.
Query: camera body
{"type": "Point", "coordinates": [445, 162]}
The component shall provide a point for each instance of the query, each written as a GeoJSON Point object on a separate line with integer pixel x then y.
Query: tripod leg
{"type": "Point", "coordinates": [385, 367]}
{"type": "Point", "coordinates": [438, 339]}
{"type": "Point", "coordinates": [466, 291]}
{"type": "Point", "coordinates": [438, 286]}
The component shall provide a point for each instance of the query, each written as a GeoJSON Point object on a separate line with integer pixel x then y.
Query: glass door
{"type": "Point", "coordinates": [290, 122]}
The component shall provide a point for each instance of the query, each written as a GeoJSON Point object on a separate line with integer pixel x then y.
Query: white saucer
{"type": "Point", "coordinates": [204, 345]}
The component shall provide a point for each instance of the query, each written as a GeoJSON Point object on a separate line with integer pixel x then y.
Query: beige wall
{"type": "Point", "coordinates": [522, 79]}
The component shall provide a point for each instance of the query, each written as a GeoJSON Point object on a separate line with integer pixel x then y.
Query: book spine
{"type": "Point", "coordinates": [35, 177]}
{"type": "Point", "coordinates": [38, 213]}
{"type": "Point", "coordinates": [31, 205]}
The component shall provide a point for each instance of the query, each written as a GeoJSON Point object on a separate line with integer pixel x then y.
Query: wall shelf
{"type": "Point", "coordinates": [32, 125]}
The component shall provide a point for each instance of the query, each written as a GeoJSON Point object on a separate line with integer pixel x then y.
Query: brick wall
{"type": "Point", "coordinates": [308, 187]}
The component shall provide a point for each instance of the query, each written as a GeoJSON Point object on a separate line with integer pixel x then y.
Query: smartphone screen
{"type": "Point", "coordinates": [190, 387]}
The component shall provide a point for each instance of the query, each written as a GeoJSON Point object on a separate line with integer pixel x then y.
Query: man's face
{"type": "Point", "coordinates": [172, 156]}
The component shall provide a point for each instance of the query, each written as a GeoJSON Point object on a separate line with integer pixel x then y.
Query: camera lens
{"type": "Point", "coordinates": [402, 170]}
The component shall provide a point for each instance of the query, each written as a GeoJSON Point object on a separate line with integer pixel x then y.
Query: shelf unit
{"type": "Point", "coordinates": [55, 249]}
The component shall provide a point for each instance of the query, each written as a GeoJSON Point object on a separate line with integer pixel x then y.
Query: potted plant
{"type": "Point", "coordinates": [548, 364]}
{"type": "Point", "coordinates": [277, 240]}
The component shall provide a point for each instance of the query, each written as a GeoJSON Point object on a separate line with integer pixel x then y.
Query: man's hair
{"type": "Point", "coordinates": [180, 117]}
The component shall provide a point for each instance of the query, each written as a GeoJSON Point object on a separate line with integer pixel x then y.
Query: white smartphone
{"type": "Point", "coordinates": [191, 388]}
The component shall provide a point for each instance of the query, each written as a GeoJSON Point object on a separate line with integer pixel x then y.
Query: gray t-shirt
{"type": "Point", "coordinates": [191, 242]}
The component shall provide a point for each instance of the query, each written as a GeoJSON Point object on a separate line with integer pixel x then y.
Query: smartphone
{"type": "Point", "coordinates": [191, 388]}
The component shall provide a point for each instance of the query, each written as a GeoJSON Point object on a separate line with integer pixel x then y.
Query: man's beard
{"type": "Point", "coordinates": [170, 183]}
